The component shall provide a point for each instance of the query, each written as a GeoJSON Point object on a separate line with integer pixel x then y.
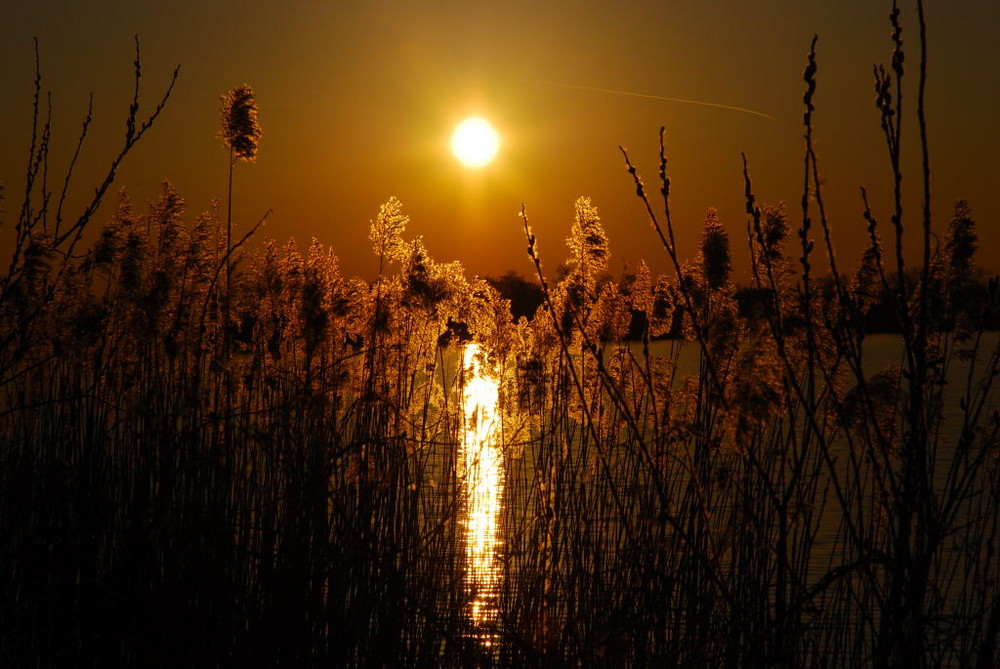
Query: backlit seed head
{"type": "Point", "coordinates": [240, 127]}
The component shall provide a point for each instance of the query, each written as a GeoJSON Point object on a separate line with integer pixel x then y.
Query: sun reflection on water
{"type": "Point", "coordinates": [481, 463]}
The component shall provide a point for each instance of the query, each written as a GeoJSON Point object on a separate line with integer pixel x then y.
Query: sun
{"type": "Point", "coordinates": [475, 142]}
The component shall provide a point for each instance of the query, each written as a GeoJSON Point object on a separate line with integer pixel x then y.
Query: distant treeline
{"type": "Point", "coordinates": [526, 296]}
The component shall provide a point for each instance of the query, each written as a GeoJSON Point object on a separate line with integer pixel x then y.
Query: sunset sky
{"type": "Point", "coordinates": [358, 100]}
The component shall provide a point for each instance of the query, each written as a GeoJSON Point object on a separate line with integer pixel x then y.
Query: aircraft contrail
{"type": "Point", "coordinates": [657, 97]}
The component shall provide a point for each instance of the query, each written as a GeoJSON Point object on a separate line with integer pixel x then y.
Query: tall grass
{"type": "Point", "coordinates": [268, 472]}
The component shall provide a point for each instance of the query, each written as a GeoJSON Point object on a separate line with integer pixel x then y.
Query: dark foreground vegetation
{"type": "Point", "coordinates": [216, 458]}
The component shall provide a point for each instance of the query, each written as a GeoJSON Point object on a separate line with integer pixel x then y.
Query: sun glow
{"type": "Point", "coordinates": [475, 143]}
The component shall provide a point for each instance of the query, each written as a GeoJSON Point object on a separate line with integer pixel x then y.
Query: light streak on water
{"type": "Point", "coordinates": [481, 463]}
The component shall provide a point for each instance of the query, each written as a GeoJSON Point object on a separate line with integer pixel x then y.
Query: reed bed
{"type": "Point", "coordinates": [210, 456]}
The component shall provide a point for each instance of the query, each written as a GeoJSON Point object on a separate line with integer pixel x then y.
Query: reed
{"type": "Point", "coordinates": [268, 471]}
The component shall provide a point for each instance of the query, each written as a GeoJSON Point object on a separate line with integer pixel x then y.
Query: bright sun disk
{"type": "Point", "coordinates": [475, 142]}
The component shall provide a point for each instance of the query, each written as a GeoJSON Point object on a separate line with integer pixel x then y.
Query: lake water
{"type": "Point", "coordinates": [504, 496]}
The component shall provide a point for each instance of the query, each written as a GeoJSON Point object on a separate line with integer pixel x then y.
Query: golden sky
{"type": "Point", "coordinates": [358, 100]}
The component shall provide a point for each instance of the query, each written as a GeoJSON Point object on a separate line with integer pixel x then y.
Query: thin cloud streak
{"type": "Point", "coordinates": [663, 98]}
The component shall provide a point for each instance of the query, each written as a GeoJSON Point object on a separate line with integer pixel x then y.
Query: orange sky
{"type": "Point", "coordinates": [357, 101]}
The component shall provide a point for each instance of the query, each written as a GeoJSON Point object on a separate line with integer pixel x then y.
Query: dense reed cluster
{"type": "Point", "coordinates": [210, 456]}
